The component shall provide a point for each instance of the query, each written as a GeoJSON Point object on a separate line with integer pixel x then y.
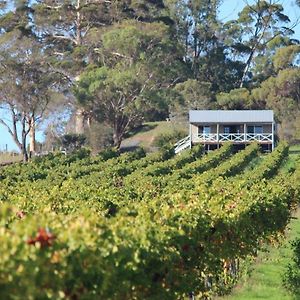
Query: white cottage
{"type": "Point", "coordinates": [241, 127]}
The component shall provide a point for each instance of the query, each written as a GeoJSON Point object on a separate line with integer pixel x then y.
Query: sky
{"type": "Point", "coordinates": [228, 11]}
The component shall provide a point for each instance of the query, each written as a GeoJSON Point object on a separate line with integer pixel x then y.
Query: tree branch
{"type": "Point", "coordinates": [63, 37]}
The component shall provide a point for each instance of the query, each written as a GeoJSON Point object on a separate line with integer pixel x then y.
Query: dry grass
{"type": "Point", "coordinates": [9, 157]}
{"type": "Point", "coordinates": [145, 135]}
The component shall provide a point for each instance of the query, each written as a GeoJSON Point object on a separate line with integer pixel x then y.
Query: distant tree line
{"type": "Point", "coordinates": [102, 67]}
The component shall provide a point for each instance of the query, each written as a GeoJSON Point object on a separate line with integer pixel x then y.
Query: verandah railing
{"type": "Point", "coordinates": [234, 137]}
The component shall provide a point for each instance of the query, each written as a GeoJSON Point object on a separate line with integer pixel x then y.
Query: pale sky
{"type": "Point", "coordinates": [228, 11]}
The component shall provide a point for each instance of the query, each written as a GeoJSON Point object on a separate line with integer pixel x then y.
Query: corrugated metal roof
{"type": "Point", "coordinates": [231, 116]}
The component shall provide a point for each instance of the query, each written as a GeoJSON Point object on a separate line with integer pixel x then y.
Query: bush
{"type": "Point", "coordinates": [81, 153]}
{"type": "Point", "coordinates": [168, 138]}
{"type": "Point", "coordinates": [291, 277]}
{"type": "Point", "coordinates": [109, 153]}
{"type": "Point", "coordinates": [73, 141]}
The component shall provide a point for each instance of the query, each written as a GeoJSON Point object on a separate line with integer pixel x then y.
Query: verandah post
{"type": "Point", "coordinates": [218, 132]}
{"type": "Point", "coordinates": [190, 136]}
{"type": "Point", "coordinates": [272, 136]}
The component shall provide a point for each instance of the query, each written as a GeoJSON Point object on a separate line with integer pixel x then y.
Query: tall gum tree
{"type": "Point", "coordinates": [204, 39]}
{"type": "Point", "coordinates": [64, 27]}
{"type": "Point", "coordinates": [72, 31]}
{"type": "Point", "coordinates": [26, 87]}
{"type": "Point", "coordinates": [197, 25]}
{"type": "Point", "coordinates": [138, 58]}
{"type": "Point", "coordinates": [255, 29]}
{"type": "Point", "coordinates": [281, 92]}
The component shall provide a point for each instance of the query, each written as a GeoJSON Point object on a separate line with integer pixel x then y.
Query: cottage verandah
{"type": "Point", "coordinates": [241, 127]}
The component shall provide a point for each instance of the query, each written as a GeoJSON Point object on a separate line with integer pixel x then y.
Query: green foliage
{"type": "Point", "coordinates": [168, 138]}
{"type": "Point", "coordinates": [131, 61]}
{"type": "Point", "coordinates": [259, 30]}
{"type": "Point", "coordinates": [195, 94]}
{"type": "Point", "coordinates": [108, 153]}
{"type": "Point", "coordinates": [73, 141]}
{"type": "Point", "coordinates": [281, 93]}
{"type": "Point", "coordinates": [137, 226]}
{"type": "Point", "coordinates": [286, 57]}
{"type": "Point", "coordinates": [139, 59]}
{"type": "Point", "coordinates": [235, 99]}
{"type": "Point", "coordinates": [99, 136]}
{"type": "Point", "coordinates": [292, 274]}
{"type": "Point", "coordinates": [291, 278]}
{"type": "Point", "coordinates": [270, 164]}
{"type": "Point", "coordinates": [76, 226]}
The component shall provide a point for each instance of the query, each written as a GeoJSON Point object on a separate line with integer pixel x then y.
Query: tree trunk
{"type": "Point", "coordinates": [246, 69]}
{"type": "Point", "coordinates": [120, 125]}
{"type": "Point", "coordinates": [89, 122]}
{"type": "Point", "coordinates": [118, 133]}
{"type": "Point", "coordinates": [79, 122]}
{"type": "Point", "coordinates": [24, 135]}
{"type": "Point", "coordinates": [78, 23]}
{"type": "Point", "coordinates": [24, 150]}
{"type": "Point", "coordinates": [14, 131]}
{"type": "Point", "coordinates": [32, 144]}
{"type": "Point", "coordinates": [117, 137]}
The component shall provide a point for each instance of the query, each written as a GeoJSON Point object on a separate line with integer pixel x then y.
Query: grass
{"type": "Point", "coordinates": [295, 147]}
{"type": "Point", "coordinates": [265, 279]}
{"type": "Point", "coordinates": [146, 134]}
{"type": "Point", "coordinates": [294, 150]}
{"type": "Point", "coordinates": [8, 157]}
{"type": "Point", "coordinates": [292, 161]}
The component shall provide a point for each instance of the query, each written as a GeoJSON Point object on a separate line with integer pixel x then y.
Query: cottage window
{"type": "Point", "coordinates": [255, 129]}
{"type": "Point", "coordinates": [226, 129]}
{"type": "Point", "coordinates": [231, 129]}
{"type": "Point", "coordinates": [206, 129]}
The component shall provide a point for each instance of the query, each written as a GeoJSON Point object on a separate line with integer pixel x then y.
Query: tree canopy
{"type": "Point", "coordinates": [114, 64]}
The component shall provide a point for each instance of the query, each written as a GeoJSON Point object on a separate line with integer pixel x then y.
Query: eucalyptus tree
{"type": "Point", "coordinates": [196, 22]}
{"type": "Point", "coordinates": [64, 27]}
{"type": "Point", "coordinates": [26, 87]}
{"type": "Point", "coordinates": [281, 92]}
{"type": "Point", "coordinates": [287, 57]}
{"type": "Point", "coordinates": [137, 59]}
{"type": "Point", "coordinates": [195, 94]}
{"type": "Point", "coordinates": [72, 33]}
{"type": "Point", "coordinates": [27, 80]}
{"type": "Point", "coordinates": [15, 24]}
{"type": "Point", "coordinates": [259, 29]}
{"type": "Point", "coordinates": [204, 39]}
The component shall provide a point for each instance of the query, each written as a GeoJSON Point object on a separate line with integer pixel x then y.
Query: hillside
{"type": "Point", "coordinates": [145, 135]}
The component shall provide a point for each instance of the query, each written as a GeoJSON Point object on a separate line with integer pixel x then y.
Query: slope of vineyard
{"type": "Point", "coordinates": [136, 226]}
{"type": "Point", "coordinates": [265, 280]}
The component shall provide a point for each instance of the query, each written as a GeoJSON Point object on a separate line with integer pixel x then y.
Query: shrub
{"type": "Point", "coordinates": [73, 141]}
{"type": "Point", "coordinates": [291, 277]}
{"type": "Point", "coordinates": [168, 138]}
{"type": "Point", "coordinates": [109, 153]}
